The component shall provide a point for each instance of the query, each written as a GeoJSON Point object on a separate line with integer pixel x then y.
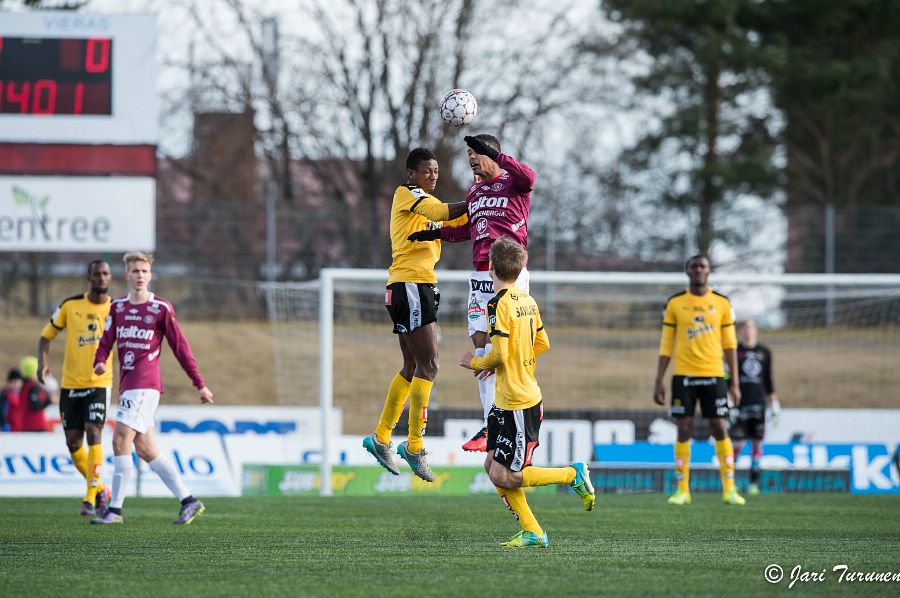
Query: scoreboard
{"type": "Point", "coordinates": [75, 78]}
{"type": "Point", "coordinates": [55, 76]}
{"type": "Point", "coordinates": [78, 131]}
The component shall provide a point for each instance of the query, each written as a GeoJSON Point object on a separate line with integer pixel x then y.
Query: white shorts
{"type": "Point", "coordinates": [137, 408]}
{"type": "Point", "coordinates": [481, 289]}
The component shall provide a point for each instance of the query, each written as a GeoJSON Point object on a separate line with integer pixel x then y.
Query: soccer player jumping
{"type": "Point", "coordinates": [514, 422]}
{"type": "Point", "coordinates": [137, 324]}
{"type": "Point", "coordinates": [498, 205]}
{"type": "Point", "coordinates": [698, 323]}
{"type": "Point", "coordinates": [412, 299]}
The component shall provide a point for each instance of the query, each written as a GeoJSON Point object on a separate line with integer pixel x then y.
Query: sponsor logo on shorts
{"type": "Point", "coordinates": [482, 286]}
{"type": "Point", "coordinates": [388, 296]}
{"type": "Point", "coordinates": [474, 311]}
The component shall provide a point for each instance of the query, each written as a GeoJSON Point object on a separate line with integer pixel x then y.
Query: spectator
{"type": "Point", "coordinates": [9, 397]}
{"type": "Point", "coordinates": [33, 399]}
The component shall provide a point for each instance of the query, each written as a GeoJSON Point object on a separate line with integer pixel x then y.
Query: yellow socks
{"type": "Point", "coordinates": [94, 464]}
{"type": "Point", "coordinates": [393, 407]}
{"type": "Point", "coordinates": [683, 465]}
{"type": "Point", "coordinates": [545, 476]}
{"type": "Point", "coordinates": [515, 502]}
{"type": "Point", "coordinates": [80, 461]}
{"type": "Point", "coordinates": [419, 393]}
{"type": "Point", "coordinates": [725, 453]}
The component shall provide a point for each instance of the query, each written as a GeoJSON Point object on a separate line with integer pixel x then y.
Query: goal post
{"type": "Point", "coordinates": [835, 337]}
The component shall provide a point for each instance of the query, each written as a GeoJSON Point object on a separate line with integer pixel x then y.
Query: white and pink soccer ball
{"type": "Point", "coordinates": [458, 107]}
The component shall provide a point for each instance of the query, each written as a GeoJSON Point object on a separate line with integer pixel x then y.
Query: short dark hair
{"type": "Point", "coordinates": [508, 258]}
{"type": "Point", "coordinates": [13, 374]}
{"type": "Point", "coordinates": [699, 256]}
{"type": "Point", "coordinates": [490, 140]}
{"type": "Point", "coordinates": [94, 263]}
{"type": "Point", "coordinates": [417, 156]}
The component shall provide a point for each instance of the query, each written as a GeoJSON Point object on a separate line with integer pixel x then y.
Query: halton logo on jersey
{"type": "Point", "coordinates": [126, 332]}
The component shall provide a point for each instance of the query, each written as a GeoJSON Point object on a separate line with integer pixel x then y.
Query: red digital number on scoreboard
{"type": "Point", "coordinates": [49, 76]}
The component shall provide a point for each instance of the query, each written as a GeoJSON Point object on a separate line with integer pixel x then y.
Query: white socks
{"type": "Point", "coordinates": [486, 387]}
{"type": "Point", "coordinates": [166, 471]}
{"type": "Point", "coordinates": [121, 476]}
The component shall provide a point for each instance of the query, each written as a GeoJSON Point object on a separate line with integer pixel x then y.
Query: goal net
{"type": "Point", "coordinates": [835, 338]}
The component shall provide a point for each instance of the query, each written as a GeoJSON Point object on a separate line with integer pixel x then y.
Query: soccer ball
{"type": "Point", "coordinates": [458, 107]}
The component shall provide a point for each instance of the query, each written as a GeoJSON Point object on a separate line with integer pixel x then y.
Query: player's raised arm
{"type": "Point", "coordinates": [522, 176]}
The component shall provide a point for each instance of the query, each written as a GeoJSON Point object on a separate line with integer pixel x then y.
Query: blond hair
{"type": "Point", "coordinates": [508, 258]}
{"type": "Point", "coordinates": [137, 256]}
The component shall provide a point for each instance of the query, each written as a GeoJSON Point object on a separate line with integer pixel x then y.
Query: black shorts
{"type": "Point", "coordinates": [710, 391]}
{"type": "Point", "coordinates": [80, 405]}
{"type": "Point", "coordinates": [513, 435]}
{"type": "Point", "coordinates": [411, 305]}
{"type": "Point", "coordinates": [751, 422]}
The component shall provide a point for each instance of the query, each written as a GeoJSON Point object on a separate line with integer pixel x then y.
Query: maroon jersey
{"type": "Point", "coordinates": [497, 208]}
{"type": "Point", "coordinates": [138, 329]}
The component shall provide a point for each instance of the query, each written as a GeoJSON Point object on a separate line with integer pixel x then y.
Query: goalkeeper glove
{"type": "Point", "coordinates": [773, 413]}
{"type": "Point", "coordinates": [425, 235]}
{"type": "Point", "coordinates": [480, 147]}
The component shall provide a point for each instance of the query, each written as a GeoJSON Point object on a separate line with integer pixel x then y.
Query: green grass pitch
{"type": "Point", "coordinates": [447, 546]}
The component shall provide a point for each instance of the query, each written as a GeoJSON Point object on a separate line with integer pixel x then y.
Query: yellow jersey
{"type": "Point", "coordinates": [517, 338]}
{"type": "Point", "coordinates": [412, 210]}
{"type": "Point", "coordinates": [83, 322]}
{"type": "Point", "coordinates": [699, 328]}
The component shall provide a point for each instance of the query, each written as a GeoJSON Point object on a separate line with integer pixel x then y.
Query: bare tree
{"type": "Point", "coordinates": [358, 87]}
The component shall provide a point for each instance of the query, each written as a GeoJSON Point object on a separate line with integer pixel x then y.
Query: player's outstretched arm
{"type": "Point", "coordinates": [429, 234]}
{"type": "Point", "coordinates": [456, 234]}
